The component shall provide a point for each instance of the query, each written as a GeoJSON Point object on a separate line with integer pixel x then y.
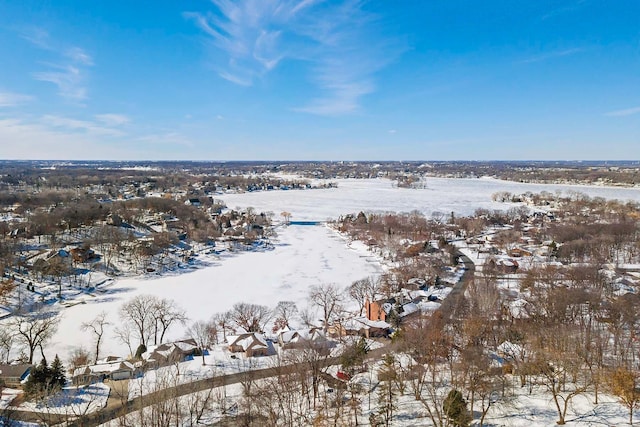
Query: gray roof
{"type": "Point", "coordinates": [14, 371]}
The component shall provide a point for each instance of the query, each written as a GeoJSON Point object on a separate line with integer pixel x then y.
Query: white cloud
{"type": "Point", "coordinates": [622, 113]}
{"type": "Point", "coordinates": [338, 40]}
{"type": "Point", "coordinates": [36, 36]}
{"type": "Point", "coordinates": [551, 55]}
{"type": "Point", "coordinates": [342, 98]}
{"type": "Point", "coordinates": [113, 119]}
{"type": "Point", "coordinates": [68, 78]}
{"type": "Point", "coordinates": [79, 56]}
{"type": "Point", "coordinates": [84, 126]}
{"type": "Point", "coordinates": [24, 139]}
{"type": "Point", "coordinates": [10, 99]}
{"type": "Point", "coordinates": [69, 72]}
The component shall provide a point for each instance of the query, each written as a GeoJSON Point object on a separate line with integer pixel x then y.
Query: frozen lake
{"type": "Point", "coordinates": [446, 195]}
{"type": "Point", "coordinates": [303, 255]}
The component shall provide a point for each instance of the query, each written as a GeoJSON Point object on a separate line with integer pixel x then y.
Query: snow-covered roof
{"type": "Point", "coordinates": [512, 351]}
{"type": "Point", "coordinates": [312, 334]}
{"type": "Point", "coordinates": [408, 309]}
{"type": "Point", "coordinates": [358, 323]}
{"type": "Point", "coordinates": [104, 368]}
{"type": "Point", "coordinates": [247, 341]}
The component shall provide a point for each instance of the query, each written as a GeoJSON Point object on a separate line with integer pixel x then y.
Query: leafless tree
{"type": "Point", "coordinates": [624, 384]}
{"type": "Point", "coordinates": [138, 312]}
{"type": "Point", "coordinates": [328, 298]}
{"type": "Point", "coordinates": [283, 313]}
{"type": "Point", "coordinates": [79, 357]}
{"type": "Point", "coordinates": [364, 290]}
{"type": "Point", "coordinates": [123, 333]}
{"type": "Point", "coordinates": [6, 343]}
{"type": "Point", "coordinates": [34, 330]}
{"type": "Point", "coordinates": [205, 335]}
{"type": "Point", "coordinates": [96, 327]}
{"type": "Point", "coordinates": [166, 313]}
{"type": "Point", "coordinates": [250, 317]}
{"type": "Point", "coordinates": [223, 320]}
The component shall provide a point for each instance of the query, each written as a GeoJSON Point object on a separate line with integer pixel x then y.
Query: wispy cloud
{"type": "Point", "coordinates": [83, 126]}
{"type": "Point", "coordinates": [68, 78]}
{"type": "Point", "coordinates": [552, 55]}
{"type": "Point", "coordinates": [63, 137]}
{"type": "Point", "coordinates": [36, 36]}
{"type": "Point", "coordinates": [625, 112]}
{"type": "Point", "coordinates": [567, 8]}
{"type": "Point", "coordinates": [78, 56]}
{"type": "Point", "coordinates": [68, 71]}
{"type": "Point", "coordinates": [113, 119]}
{"type": "Point", "coordinates": [10, 99]}
{"type": "Point", "coordinates": [340, 41]}
{"type": "Point", "coordinates": [26, 138]}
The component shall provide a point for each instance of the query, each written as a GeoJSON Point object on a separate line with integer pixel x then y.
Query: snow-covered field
{"type": "Point", "coordinates": [303, 255]}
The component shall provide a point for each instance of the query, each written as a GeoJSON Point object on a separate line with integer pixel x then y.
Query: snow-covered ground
{"type": "Point", "coordinates": [303, 256]}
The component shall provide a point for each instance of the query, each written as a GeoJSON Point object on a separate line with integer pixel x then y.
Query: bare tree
{"type": "Point", "coordinates": [6, 343]}
{"type": "Point", "coordinates": [34, 330]}
{"type": "Point", "coordinates": [204, 333]}
{"type": "Point", "coordinates": [364, 290]}
{"type": "Point", "coordinates": [624, 384]}
{"type": "Point", "coordinates": [123, 333]}
{"type": "Point", "coordinates": [166, 313]}
{"type": "Point", "coordinates": [138, 312]}
{"type": "Point", "coordinates": [96, 327]}
{"type": "Point", "coordinates": [328, 298]}
{"type": "Point", "coordinates": [222, 320]}
{"type": "Point", "coordinates": [250, 317]}
{"type": "Point", "coordinates": [283, 313]}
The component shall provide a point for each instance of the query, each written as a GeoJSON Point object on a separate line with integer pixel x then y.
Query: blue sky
{"type": "Point", "coordinates": [320, 80]}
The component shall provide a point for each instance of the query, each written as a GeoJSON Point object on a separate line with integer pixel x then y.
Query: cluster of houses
{"type": "Point", "coordinates": [113, 368]}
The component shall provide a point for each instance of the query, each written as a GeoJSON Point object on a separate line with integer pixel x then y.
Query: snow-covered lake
{"type": "Point", "coordinates": [445, 195]}
{"type": "Point", "coordinates": [303, 256]}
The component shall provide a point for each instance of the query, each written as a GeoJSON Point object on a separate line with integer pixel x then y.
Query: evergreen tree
{"type": "Point", "coordinates": [140, 351]}
{"type": "Point", "coordinates": [37, 383]}
{"type": "Point", "coordinates": [353, 356]}
{"type": "Point", "coordinates": [455, 408]}
{"type": "Point", "coordinates": [44, 379]}
{"type": "Point", "coordinates": [387, 390]}
{"type": "Point", "coordinates": [57, 378]}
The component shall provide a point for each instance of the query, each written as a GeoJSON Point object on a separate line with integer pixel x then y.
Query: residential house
{"type": "Point", "coordinates": [305, 338]}
{"type": "Point", "coordinates": [107, 369]}
{"type": "Point", "coordinates": [360, 326]}
{"type": "Point", "coordinates": [14, 376]}
{"type": "Point", "coordinates": [375, 311]}
{"type": "Point", "coordinates": [166, 354]}
{"type": "Point", "coordinates": [251, 344]}
{"type": "Point", "coordinates": [60, 255]}
{"type": "Point", "coordinates": [82, 254]}
{"type": "Point", "coordinates": [502, 265]}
